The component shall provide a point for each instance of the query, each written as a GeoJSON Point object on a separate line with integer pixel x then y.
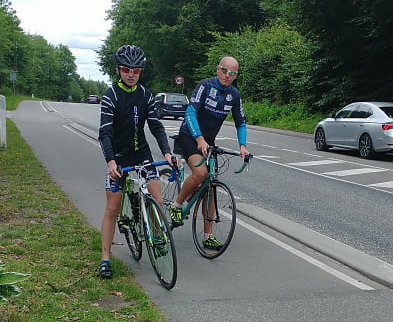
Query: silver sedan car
{"type": "Point", "coordinates": [363, 126]}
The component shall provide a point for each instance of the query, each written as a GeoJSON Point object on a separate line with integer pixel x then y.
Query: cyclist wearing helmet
{"type": "Point", "coordinates": [211, 102]}
{"type": "Point", "coordinates": [125, 108]}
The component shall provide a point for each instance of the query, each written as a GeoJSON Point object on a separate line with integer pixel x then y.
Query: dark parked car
{"type": "Point", "coordinates": [93, 99]}
{"type": "Point", "coordinates": [363, 126]}
{"type": "Point", "coordinates": [171, 104]}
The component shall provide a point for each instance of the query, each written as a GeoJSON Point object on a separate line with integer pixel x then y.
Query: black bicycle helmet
{"type": "Point", "coordinates": [130, 56]}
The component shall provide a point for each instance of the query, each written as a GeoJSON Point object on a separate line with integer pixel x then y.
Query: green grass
{"type": "Point", "coordinates": [13, 101]}
{"type": "Point", "coordinates": [43, 234]}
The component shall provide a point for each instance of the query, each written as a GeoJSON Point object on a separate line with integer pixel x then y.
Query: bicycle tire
{"type": "Point", "coordinates": [131, 230]}
{"type": "Point", "coordinates": [169, 190]}
{"type": "Point", "coordinates": [162, 254]}
{"type": "Point", "coordinates": [224, 220]}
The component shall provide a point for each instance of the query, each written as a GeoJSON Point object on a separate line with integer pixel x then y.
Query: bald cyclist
{"type": "Point", "coordinates": [211, 102]}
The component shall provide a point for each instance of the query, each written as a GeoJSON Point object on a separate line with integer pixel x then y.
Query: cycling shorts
{"type": "Point", "coordinates": [187, 145]}
{"type": "Point", "coordinates": [150, 174]}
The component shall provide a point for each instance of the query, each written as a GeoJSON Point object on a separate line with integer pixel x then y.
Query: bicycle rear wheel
{"type": "Point", "coordinates": [160, 245]}
{"type": "Point", "coordinates": [169, 190]}
{"type": "Point", "coordinates": [220, 222]}
{"type": "Point", "coordinates": [130, 228]}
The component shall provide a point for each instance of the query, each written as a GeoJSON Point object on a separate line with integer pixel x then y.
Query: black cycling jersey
{"type": "Point", "coordinates": [123, 117]}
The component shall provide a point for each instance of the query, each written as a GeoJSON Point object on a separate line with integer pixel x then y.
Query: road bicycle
{"type": "Point", "coordinates": [213, 201]}
{"type": "Point", "coordinates": [141, 219]}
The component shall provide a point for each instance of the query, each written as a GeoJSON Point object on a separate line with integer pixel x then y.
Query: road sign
{"type": "Point", "coordinates": [179, 80]}
{"type": "Point", "coordinates": [13, 76]}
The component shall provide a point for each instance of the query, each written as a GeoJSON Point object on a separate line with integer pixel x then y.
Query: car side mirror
{"type": "Point", "coordinates": [333, 115]}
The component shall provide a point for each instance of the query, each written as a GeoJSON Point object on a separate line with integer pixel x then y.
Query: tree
{"type": "Point", "coordinates": [175, 36]}
{"type": "Point", "coordinates": [355, 46]}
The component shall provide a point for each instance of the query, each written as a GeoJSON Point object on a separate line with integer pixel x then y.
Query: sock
{"type": "Point", "coordinates": [177, 205]}
{"type": "Point", "coordinates": [105, 260]}
{"type": "Point", "coordinates": [206, 236]}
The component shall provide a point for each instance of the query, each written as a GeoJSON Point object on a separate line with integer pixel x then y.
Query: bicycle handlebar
{"type": "Point", "coordinates": [125, 170]}
{"type": "Point", "coordinates": [215, 150]}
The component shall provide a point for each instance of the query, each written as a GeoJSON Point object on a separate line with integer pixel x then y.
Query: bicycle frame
{"type": "Point", "coordinates": [212, 176]}
{"type": "Point", "coordinates": [129, 186]}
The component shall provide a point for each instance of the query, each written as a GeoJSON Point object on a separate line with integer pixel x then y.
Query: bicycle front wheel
{"type": "Point", "coordinates": [160, 245]}
{"type": "Point", "coordinates": [214, 216]}
{"type": "Point", "coordinates": [169, 190]}
{"type": "Point", "coordinates": [130, 228]}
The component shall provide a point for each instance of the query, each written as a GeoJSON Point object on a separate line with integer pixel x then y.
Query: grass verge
{"type": "Point", "coordinates": [43, 234]}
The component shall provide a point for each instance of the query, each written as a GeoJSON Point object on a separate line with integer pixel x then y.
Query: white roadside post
{"type": "Point", "coordinates": [3, 132]}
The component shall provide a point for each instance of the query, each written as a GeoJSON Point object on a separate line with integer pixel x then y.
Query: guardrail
{"type": "Point", "coordinates": [3, 132]}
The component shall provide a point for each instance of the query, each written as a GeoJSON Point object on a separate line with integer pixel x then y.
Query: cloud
{"type": "Point", "coordinates": [78, 24]}
{"type": "Point", "coordinates": [93, 43]}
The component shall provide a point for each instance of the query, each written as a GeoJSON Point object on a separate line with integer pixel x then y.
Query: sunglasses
{"type": "Point", "coordinates": [226, 71]}
{"type": "Point", "coordinates": [126, 70]}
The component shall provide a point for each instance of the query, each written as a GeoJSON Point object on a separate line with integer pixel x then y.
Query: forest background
{"type": "Point", "coordinates": [299, 59]}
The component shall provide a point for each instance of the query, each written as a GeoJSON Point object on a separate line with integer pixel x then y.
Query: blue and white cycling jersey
{"type": "Point", "coordinates": [209, 106]}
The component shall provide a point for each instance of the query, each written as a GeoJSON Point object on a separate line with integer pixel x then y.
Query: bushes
{"type": "Point", "coordinates": [5, 91]}
{"type": "Point", "coordinates": [274, 62]}
{"type": "Point", "coordinates": [294, 117]}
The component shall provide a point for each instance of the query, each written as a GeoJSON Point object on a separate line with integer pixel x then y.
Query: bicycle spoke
{"type": "Point", "coordinates": [215, 214]}
{"type": "Point", "coordinates": [160, 245]}
{"type": "Point", "coordinates": [169, 190]}
{"type": "Point", "coordinates": [129, 228]}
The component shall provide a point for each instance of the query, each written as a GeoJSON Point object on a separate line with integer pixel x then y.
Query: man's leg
{"type": "Point", "coordinates": [198, 174]}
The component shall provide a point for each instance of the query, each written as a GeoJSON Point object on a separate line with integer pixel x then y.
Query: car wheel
{"type": "Point", "coordinates": [320, 140]}
{"type": "Point", "coordinates": [366, 149]}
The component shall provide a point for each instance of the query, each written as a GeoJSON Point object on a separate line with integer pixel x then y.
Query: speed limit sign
{"type": "Point", "coordinates": [179, 80]}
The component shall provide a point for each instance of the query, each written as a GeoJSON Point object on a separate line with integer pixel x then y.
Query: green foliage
{"type": "Point", "coordinates": [41, 69]}
{"type": "Point", "coordinates": [5, 91]}
{"type": "Point", "coordinates": [175, 36]}
{"type": "Point", "coordinates": [355, 46]}
{"type": "Point", "coordinates": [294, 117]}
{"type": "Point", "coordinates": [8, 289]}
{"type": "Point", "coordinates": [274, 62]}
{"type": "Point", "coordinates": [42, 233]}
{"type": "Point", "coordinates": [322, 53]}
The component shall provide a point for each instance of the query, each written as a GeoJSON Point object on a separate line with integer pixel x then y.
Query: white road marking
{"type": "Point", "coordinates": [265, 156]}
{"type": "Point", "coordinates": [343, 173]}
{"type": "Point", "coordinates": [313, 155]}
{"type": "Point", "coordinates": [387, 184]}
{"type": "Point", "coordinates": [312, 163]}
{"type": "Point", "coordinates": [88, 139]}
{"type": "Point", "coordinates": [288, 150]}
{"type": "Point", "coordinates": [307, 258]}
{"type": "Point", "coordinates": [43, 106]}
{"type": "Point", "coordinates": [328, 177]}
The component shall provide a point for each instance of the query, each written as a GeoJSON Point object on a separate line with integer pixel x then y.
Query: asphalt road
{"type": "Point", "coordinates": [264, 275]}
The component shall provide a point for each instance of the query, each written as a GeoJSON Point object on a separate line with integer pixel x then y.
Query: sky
{"type": "Point", "coordinates": [78, 24]}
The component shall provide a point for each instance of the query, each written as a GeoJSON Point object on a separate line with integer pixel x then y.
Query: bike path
{"type": "Point", "coordinates": [255, 280]}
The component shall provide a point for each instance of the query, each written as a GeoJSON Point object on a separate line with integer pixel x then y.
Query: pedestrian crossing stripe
{"type": "Point", "coordinates": [311, 163]}
{"type": "Point", "coordinates": [387, 184]}
{"type": "Point", "coordinates": [351, 172]}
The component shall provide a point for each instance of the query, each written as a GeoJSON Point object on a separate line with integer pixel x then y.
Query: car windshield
{"type": "Point", "coordinates": [388, 110]}
{"type": "Point", "coordinates": [180, 98]}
